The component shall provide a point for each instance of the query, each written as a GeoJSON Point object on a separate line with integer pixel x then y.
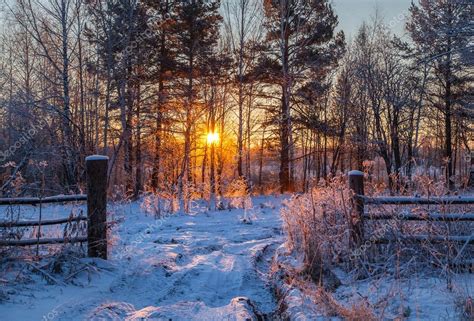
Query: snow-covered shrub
{"type": "Point", "coordinates": [317, 224]}
{"type": "Point", "coordinates": [11, 213]}
{"type": "Point", "coordinates": [119, 194]}
{"type": "Point", "coordinates": [467, 309]}
{"type": "Point", "coordinates": [424, 185]}
{"type": "Point", "coordinates": [238, 194]}
{"type": "Point", "coordinates": [158, 204]}
{"type": "Point", "coordinates": [362, 310]}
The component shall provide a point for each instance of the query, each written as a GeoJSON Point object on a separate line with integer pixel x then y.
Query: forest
{"type": "Point", "coordinates": [188, 96]}
{"type": "Point", "coordinates": [240, 160]}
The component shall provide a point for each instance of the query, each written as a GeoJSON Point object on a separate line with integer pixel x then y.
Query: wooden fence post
{"type": "Point", "coordinates": [96, 167]}
{"type": "Point", "coordinates": [356, 184]}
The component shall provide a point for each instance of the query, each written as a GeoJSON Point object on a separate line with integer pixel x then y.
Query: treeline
{"type": "Point", "coordinates": [186, 96]}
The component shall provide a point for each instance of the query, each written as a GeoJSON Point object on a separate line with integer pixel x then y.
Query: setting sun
{"type": "Point", "coordinates": [212, 138]}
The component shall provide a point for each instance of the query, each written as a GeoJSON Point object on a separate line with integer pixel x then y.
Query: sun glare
{"type": "Point", "coordinates": [212, 138]}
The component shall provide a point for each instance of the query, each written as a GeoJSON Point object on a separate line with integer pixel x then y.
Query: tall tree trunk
{"type": "Point", "coordinates": [69, 159]}
{"type": "Point", "coordinates": [185, 176]}
{"type": "Point", "coordinates": [240, 138]}
{"type": "Point", "coordinates": [212, 177]}
{"type": "Point", "coordinates": [260, 165]}
{"type": "Point", "coordinates": [158, 134]}
{"type": "Point", "coordinates": [285, 184]}
{"type": "Point", "coordinates": [82, 111]}
{"type": "Point", "coordinates": [138, 148]}
{"type": "Point", "coordinates": [448, 125]}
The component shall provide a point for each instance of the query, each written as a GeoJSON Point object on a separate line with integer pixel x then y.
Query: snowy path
{"type": "Point", "coordinates": [198, 267]}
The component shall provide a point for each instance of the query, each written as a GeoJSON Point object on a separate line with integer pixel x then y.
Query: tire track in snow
{"type": "Point", "coordinates": [216, 268]}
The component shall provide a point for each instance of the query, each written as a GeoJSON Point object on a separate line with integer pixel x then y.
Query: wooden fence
{"type": "Point", "coordinates": [360, 202]}
{"type": "Point", "coordinates": [96, 168]}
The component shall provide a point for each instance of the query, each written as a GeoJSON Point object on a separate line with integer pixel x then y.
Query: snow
{"type": "Point", "coordinates": [298, 305]}
{"type": "Point", "coordinates": [96, 158]}
{"type": "Point", "coordinates": [211, 265]}
{"type": "Point", "coordinates": [420, 296]}
{"type": "Point", "coordinates": [356, 173]}
{"type": "Point", "coordinates": [206, 266]}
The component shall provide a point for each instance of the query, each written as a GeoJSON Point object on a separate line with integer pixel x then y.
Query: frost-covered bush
{"type": "Point", "coordinates": [159, 204]}
{"type": "Point", "coordinates": [238, 194]}
{"type": "Point", "coordinates": [317, 224]}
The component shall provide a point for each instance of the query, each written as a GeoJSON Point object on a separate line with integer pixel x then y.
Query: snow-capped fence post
{"type": "Point", "coordinates": [356, 184]}
{"type": "Point", "coordinates": [96, 167]}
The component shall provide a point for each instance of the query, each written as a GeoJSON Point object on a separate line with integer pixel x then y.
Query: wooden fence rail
{"type": "Point", "coordinates": [435, 239]}
{"type": "Point", "coordinates": [30, 242]}
{"type": "Point", "coordinates": [457, 200]}
{"type": "Point", "coordinates": [42, 222]}
{"type": "Point", "coordinates": [360, 201]}
{"type": "Point", "coordinates": [468, 217]}
{"type": "Point", "coordinates": [96, 168]}
{"type": "Point", "coordinates": [45, 200]}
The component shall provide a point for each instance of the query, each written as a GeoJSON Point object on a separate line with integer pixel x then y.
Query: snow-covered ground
{"type": "Point", "coordinates": [205, 266]}
{"type": "Point", "coordinates": [418, 296]}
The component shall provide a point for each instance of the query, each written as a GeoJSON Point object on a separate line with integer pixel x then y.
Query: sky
{"type": "Point", "coordinates": [353, 12]}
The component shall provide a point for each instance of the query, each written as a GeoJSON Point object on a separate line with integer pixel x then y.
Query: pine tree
{"type": "Point", "coordinates": [442, 35]}
{"type": "Point", "coordinates": [197, 28]}
{"type": "Point", "coordinates": [162, 57]}
{"type": "Point", "coordinates": [302, 47]}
